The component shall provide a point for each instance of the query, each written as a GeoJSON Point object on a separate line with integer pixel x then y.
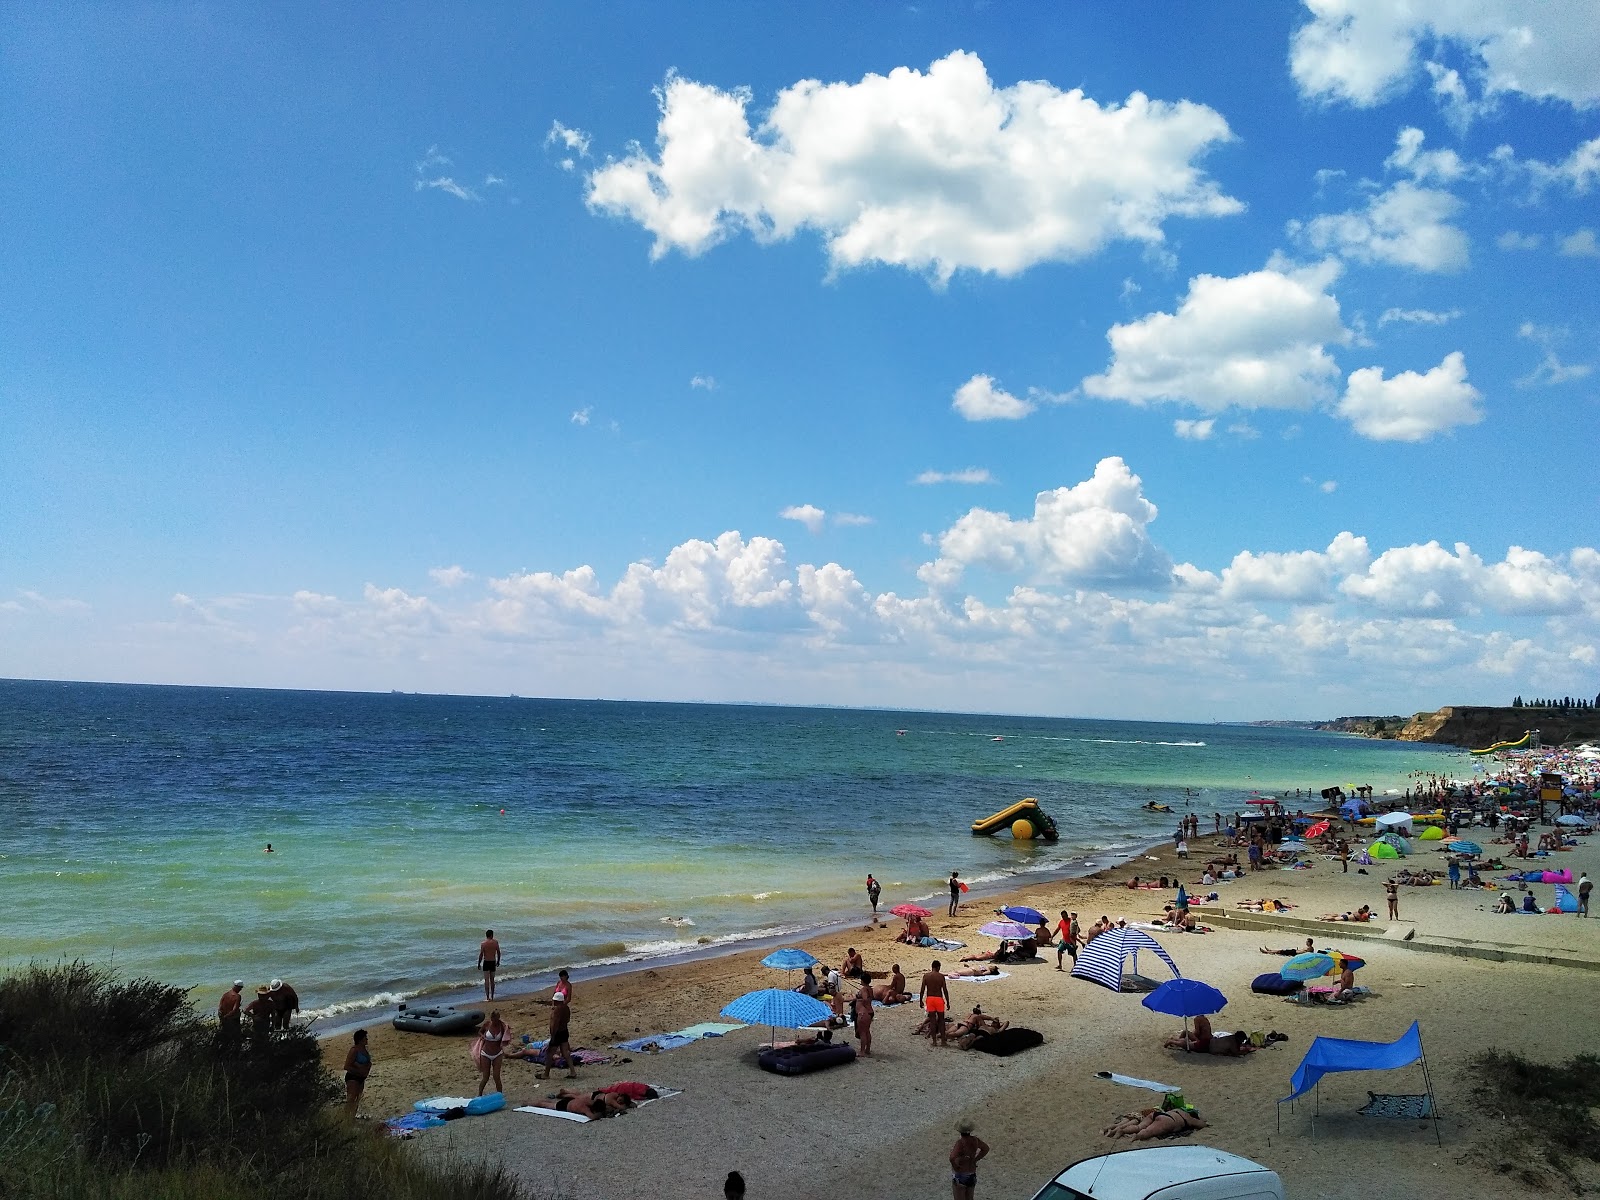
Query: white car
{"type": "Point", "coordinates": [1164, 1173]}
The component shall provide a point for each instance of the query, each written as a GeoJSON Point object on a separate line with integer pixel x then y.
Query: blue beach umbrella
{"type": "Point", "coordinates": [1306, 966]}
{"type": "Point", "coordinates": [789, 960]}
{"type": "Point", "coordinates": [777, 1007]}
{"type": "Point", "coordinates": [1572, 819]}
{"type": "Point", "coordinates": [1463, 847]}
{"type": "Point", "coordinates": [1005, 929]}
{"type": "Point", "coordinates": [1021, 912]}
{"type": "Point", "coordinates": [1185, 998]}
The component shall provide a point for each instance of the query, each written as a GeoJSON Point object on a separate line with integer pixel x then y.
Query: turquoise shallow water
{"type": "Point", "coordinates": [136, 817]}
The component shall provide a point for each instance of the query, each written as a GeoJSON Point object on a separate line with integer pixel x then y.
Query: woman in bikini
{"type": "Point", "coordinates": [493, 1039]}
{"type": "Point", "coordinates": [357, 1066]}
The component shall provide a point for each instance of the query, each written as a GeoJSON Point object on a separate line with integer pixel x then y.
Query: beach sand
{"type": "Point", "coordinates": [885, 1124]}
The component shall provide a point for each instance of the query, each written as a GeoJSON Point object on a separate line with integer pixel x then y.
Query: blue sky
{"type": "Point", "coordinates": [1197, 361]}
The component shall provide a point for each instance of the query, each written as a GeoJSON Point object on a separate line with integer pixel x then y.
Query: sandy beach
{"type": "Point", "coordinates": [885, 1124]}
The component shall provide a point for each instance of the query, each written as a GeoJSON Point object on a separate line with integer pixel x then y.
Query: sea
{"type": "Point", "coordinates": [585, 833]}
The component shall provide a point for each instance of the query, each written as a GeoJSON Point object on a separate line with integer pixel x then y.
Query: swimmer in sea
{"type": "Point", "coordinates": [268, 850]}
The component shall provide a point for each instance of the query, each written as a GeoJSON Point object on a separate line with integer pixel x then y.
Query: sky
{"type": "Point", "coordinates": [1195, 362]}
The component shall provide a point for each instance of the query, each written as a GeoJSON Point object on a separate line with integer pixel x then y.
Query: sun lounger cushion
{"type": "Point", "coordinates": [1273, 984]}
{"type": "Point", "coordinates": [802, 1060]}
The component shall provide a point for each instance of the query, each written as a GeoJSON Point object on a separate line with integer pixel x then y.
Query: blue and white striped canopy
{"type": "Point", "coordinates": [1101, 960]}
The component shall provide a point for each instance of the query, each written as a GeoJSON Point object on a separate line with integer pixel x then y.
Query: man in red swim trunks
{"type": "Point", "coordinates": [934, 996]}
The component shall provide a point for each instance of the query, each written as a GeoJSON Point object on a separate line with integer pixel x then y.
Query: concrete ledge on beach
{"type": "Point", "coordinates": [1398, 933]}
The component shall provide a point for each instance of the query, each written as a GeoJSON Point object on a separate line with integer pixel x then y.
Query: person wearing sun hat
{"type": "Point", "coordinates": [285, 1002]}
{"type": "Point", "coordinates": [260, 1011]}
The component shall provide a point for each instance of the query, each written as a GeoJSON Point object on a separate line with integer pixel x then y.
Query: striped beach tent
{"type": "Point", "coordinates": [1102, 959]}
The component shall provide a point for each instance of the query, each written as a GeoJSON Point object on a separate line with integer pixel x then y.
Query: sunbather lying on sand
{"type": "Point", "coordinates": [1231, 1045]}
{"type": "Point", "coordinates": [967, 1031]}
{"type": "Point", "coordinates": [1309, 948]}
{"type": "Point", "coordinates": [1364, 913]}
{"type": "Point", "coordinates": [1150, 1123]}
{"type": "Point", "coordinates": [1264, 905]}
{"type": "Point", "coordinates": [972, 972]}
{"type": "Point", "coordinates": [594, 1105]}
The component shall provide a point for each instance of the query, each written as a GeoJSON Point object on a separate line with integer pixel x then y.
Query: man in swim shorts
{"type": "Point", "coordinates": [964, 1156]}
{"type": "Point", "coordinates": [955, 893]}
{"type": "Point", "coordinates": [488, 961]}
{"type": "Point", "coordinates": [874, 888]}
{"type": "Point", "coordinates": [934, 997]}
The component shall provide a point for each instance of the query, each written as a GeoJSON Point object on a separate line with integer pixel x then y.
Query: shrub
{"type": "Point", "coordinates": [118, 1091]}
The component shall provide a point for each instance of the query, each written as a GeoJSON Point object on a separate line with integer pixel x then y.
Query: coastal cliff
{"type": "Point", "coordinates": [1475, 728]}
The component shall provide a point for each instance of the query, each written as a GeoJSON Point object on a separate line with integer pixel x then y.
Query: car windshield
{"type": "Point", "coordinates": [1060, 1191]}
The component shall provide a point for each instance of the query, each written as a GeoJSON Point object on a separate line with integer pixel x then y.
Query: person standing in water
{"type": "Point", "coordinates": [964, 1157]}
{"type": "Point", "coordinates": [488, 961]}
{"type": "Point", "coordinates": [873, 890]}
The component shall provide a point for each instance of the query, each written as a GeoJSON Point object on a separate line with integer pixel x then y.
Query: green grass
{"type": "Point", "coordinates": [118, 1090]}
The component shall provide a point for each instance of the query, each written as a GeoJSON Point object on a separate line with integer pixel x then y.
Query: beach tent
{"type": "Point", "coordinates": [1395, 822]}
{"type": "Point", "coordinates": [1327, 1055]}
{"type": "Point", "coordinates": [1565, 901]}
{"type": "Point", "coordinates": [1102, 959]}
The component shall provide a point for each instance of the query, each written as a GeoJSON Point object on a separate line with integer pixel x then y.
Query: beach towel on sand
{"type": "Point", "coordinates": [1149, 1085]}
{"type": "Point", "coordinates": [578, 1118]}
{"type": "Point", "coordinates": [978, 978]}
{"type": "Point", "coordinates": [656, 1043]}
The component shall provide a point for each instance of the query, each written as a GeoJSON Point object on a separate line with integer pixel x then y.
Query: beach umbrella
{"type": "Point", "coordinates": [1005, 929]}
{"type": "Point", "coordinates": [777, 1007]}
{"type": "Point", "coordinates": [1382, 850]}
{"type": "Point", "coordinates": [1185, 998]}
{"type": "Point", "coordinates": [789, 960]}
{"type": "Point", "coordinates": [1306, 966]}
{"type": "Point", "coordinates": [1460, 846]}
{"type": "Point", "coordinates": [1317, 830]}
{"type": "Point", "coordinates": [1021, 912]}
{"type": "Point", "coordinates": [909, 910]}
{"type": "Point", "coordinates": [1572, 819]}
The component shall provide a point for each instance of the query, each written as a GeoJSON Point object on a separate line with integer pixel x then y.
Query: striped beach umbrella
{"type": "Point", "coordinates": [1101, 960]}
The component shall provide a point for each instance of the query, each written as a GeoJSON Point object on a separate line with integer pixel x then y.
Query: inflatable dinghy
{"type": "Point", "coordinates": [437, 1019]}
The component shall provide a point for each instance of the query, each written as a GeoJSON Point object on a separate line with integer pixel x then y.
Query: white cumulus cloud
{"type": "Point", "coordinates": [1194, 431]}
{"type": "Point", "coordinates": [1095, 530]}
{"type": "Point", "coordinates": [1251, 341]}
{"type": "Point", "coordinates": [1298, 577]}
{"type": "Point", "coordinates": [449, 577]}
{"type": "Point", "coordinates": [808, 515]}
{"type": "Point", "coordinates": [1364, 51]}
{"type": "Point", "coordinates": [978, 399]}
{"type": "Point", "coordinates": [1406, 225]}
{"type": "Point", "coordinates": [1410, 407]}
{"type": "Point", "coordinates": [935, 171]}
